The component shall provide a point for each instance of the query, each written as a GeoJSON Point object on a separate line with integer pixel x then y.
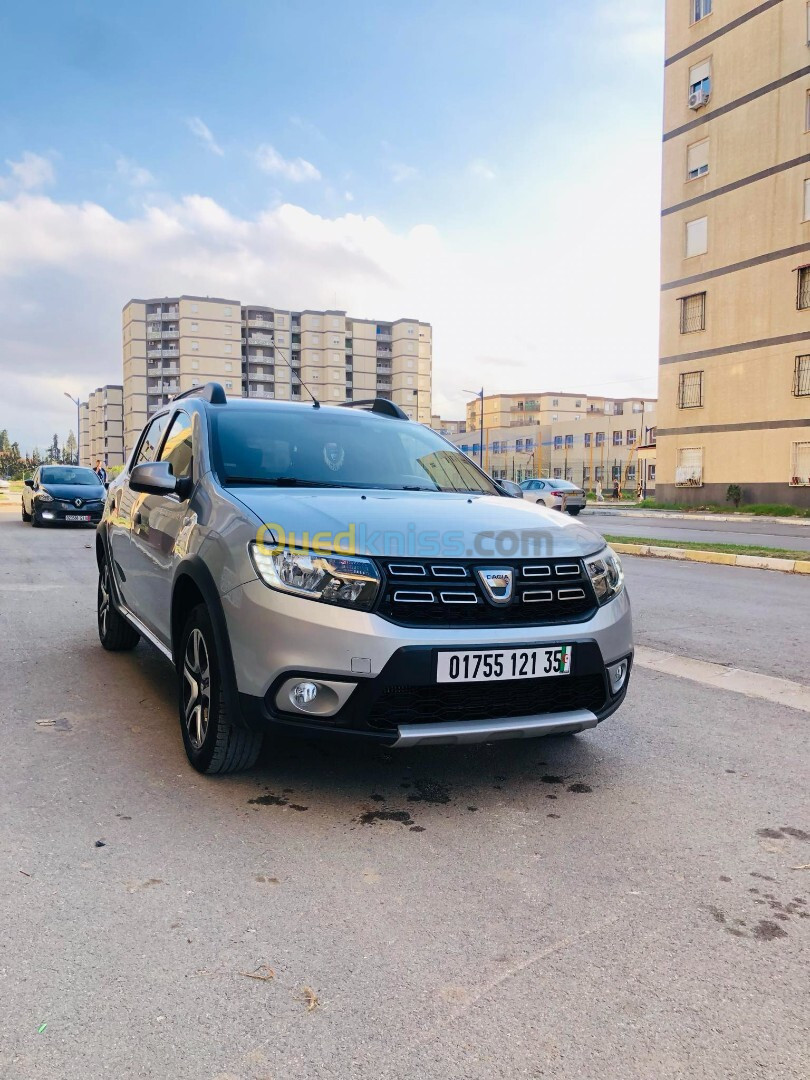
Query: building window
{"type": "Point", "coordinates": [803, 296]}
{"type": "Point", "coordinates": [697, 237]}
{"type": "Point", "coordinates": [195, 346]}
{"type": "Point", "coordinates": [700, 9]}
{"type": "Point", "coordinates": [558, 442]}
{"type": "Point", "coordinates": [806, 201]}
{"type": "Point", "coordinates": [195, 308]}
{"type": "Point", "coordinates": [228, 348]}
{"type": "Point", "coordinates": [229, 386]}
{"type": "Point", "coordinates": [555, 403]}
{"type": "Point", "coordinates": [569, 441]}
{"type": "Point", "coordinates": [558, 474]}
{"type": "Point", "coordinates": [631, 436]}
{"type": "Point", "coordinates": [693, 313]}
{"type": "Point", "coordinates": [700, 78]}
{"type": "Point", "coordinates": [599, 474]}
{"type": "Point", "coordinates": [697, 159]}
{"type": "Point", "coordinates": [554, 418]}
{"type": "Point", "coordinates": [617, 438]}
{"type": "Point", "coordinates": [577, 404]}
{"type": "Point", "coordinates": [529, 444]}
{"type": "Point", "coordinates": [801, 376]}
{"type": "Point", "coordinates": [587, 438]}
{"type": "Point", "coordinates": [195, 327]}
{"type": "Point", "coordinates": [227, 312]}
{"type": "Point", "coordinates": [496, 448]}
{"type": "Point", "coordinates": [689, 467]}
{"type": "Point", "coordinates": [799, 464]}
{"type": "Point", "coordinates": [690, 390]}
{"type": "Point", "coordinates": [519, 446]}
{"type": "Point", "coordinates": [600, 438]}
{"type": "Point", "coordinates": [651, 471]}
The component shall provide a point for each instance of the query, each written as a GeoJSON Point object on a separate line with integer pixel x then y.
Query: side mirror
{"type": "Point", "coordinates": [154, 478]}
{"type": "Point", "coordinates": [511, 488]}
{"type": "Point", "coordinates": [29, 483]}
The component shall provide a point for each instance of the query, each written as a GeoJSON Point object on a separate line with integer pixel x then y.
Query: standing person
{"type": "Point", "coordinates": [100, 472]}
{"type": "Point", "coordinates": [616, 489]}
{"type": "Point", "coordinates": [599, 495]}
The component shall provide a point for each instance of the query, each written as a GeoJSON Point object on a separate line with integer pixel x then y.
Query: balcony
{"type": "Point", "coordinates": [170, 334]}
{"type": "Point", "coordinates": [153, 354]}
{"type": "Point", "coordinates": [260, 376]}
{"type": "Point", "coordinates": [260, 339]}
{"type": "Point", "coordinates": [172, 369]}
{"type": "Point", "coordinates": [383, 370]}
{"type": "Point", "coordinates": [253, 391]}
{"type": "Point", "coordinates": [258, 324]}
{"type": "Point", "coordinates": [171, 387]}
{"type": "Point", "coordinates": [153, 335]}
{"type": "Point", "coordinates": [296, 345]}
{"type": "Point", "coordinates": [382, 351]}
{"type": "Point", "coordinates": [385, 336]}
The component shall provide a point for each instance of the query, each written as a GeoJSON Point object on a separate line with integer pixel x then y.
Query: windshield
{"type": "Point", "coordinates": [332, 448]}
{"type": "Point", "coordinates": [67, 475]}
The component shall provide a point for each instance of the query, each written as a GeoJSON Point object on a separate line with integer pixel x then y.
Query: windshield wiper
{"type": "Point", "coordinates": [283, 481]}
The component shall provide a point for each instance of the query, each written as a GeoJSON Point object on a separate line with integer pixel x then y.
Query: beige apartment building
{"type": "Point", "coordinates": [579, 437]}
{"type": "Point", "coordinates": [101, 427]}
{"type": "Point", "coordinates": [734, 372]}
{"type": "Point", "coordinates": [173, 344]}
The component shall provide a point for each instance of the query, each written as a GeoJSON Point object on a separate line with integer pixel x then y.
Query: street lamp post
{"type": "Point", "coordinates": [77, 402]}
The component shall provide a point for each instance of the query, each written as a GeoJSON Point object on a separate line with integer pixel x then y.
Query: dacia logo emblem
{"type": "Point", "coordinates": [498, 582]}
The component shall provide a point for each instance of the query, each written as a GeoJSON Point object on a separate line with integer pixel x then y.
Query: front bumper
{"type": "Point", "coordinates": [53, 513]}
{"type": "Point", "coordinates": [386, 673]}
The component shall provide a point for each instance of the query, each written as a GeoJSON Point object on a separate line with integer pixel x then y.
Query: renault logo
{"type": "Point", "coordinates": [77, 502]}
{"type": "Point", "coordinates": [497, 582]}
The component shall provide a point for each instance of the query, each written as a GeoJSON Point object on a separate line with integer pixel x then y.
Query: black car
{"type": "Point", "coordinates": [64, 493]}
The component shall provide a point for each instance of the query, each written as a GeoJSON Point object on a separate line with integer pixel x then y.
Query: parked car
{"type": "Point", "coordinates": [4, 484]}
{"type": "Point", "coordinates": [555, 494]}
{"type": "Point", "coordinates": [63, 493]}
{"type": "Point", "coordinates": [343, 571]}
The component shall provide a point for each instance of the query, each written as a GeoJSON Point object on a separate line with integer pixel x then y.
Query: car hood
{"type": "Point", "coordinates": [416, 524]}
{"type": "Point", "coordinates": [75, 491]}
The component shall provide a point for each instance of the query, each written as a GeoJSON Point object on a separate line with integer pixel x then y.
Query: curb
{"type": "Point", "coordinates": [722, 558]}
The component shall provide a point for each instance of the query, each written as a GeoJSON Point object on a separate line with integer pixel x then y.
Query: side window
{"type": "Point", "coordinates": [178, 449]}
{"type": "Point", "coordinates": [151, 440]}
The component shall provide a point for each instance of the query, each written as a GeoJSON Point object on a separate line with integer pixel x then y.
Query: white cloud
{"type": "Point", "coordinates": [347, 195]}
{"type": "Point", "coordinates": [32, 171]}
{"type": "Point", "coordinates": [297, 170]}
{"type": "Point", "coordinates": [634, 27]}
{"type": "Point", "coordinates": [571, 302]}
{"type": "Point", "coordinates": [482, 169]}
{"type": "Point", "coordinates": [132, 173]}
{"type": "Point", "coordinates": [203, 133]}
{"type": "Point", "coordinates": [400, 172]}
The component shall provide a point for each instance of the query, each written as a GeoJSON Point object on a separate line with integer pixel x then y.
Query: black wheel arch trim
{"type": "Point", "coordinates": [193, 568]}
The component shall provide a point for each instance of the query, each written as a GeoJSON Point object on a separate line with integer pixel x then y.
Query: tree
{"type": "Point", "coordinates": [70, 449]}
{"type": "Point", "coordinates": [36, 458]}
{"type": "Point", "coordinates": [4, 443]}
{"type": "Point", "coordinates": [54, 451]}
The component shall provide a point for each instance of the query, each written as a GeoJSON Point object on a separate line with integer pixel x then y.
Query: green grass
{"type": "Point", "coordinates": [756, 509]}
{"type": "Point", "coordinates": [729, 549]}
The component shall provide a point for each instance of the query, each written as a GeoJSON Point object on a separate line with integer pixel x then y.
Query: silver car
{"type": "Point", "coordinates": [344, 571]}
{"type": "Point", "coordinates": [555, 494]}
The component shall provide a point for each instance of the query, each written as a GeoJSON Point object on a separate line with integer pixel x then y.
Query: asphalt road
{"type": "Point", "coordinates": [789, 535]}
{"type": "Point", "coordinates": [623, 904]}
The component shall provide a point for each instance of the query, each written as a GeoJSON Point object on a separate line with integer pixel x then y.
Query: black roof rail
{"type": "Point", "coordinates": [381, 405]}
{"type": "Point", "coordinates": [212, 392]}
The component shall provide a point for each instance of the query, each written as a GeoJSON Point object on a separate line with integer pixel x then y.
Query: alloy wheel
{"type": "Point", "coordinates": [196, 688]}
{"type": "Point", "coordinates": [104, 600]}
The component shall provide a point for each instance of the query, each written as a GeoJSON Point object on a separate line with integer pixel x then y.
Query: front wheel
{"type": "Point", "coordinates": [114, 632]}
{"type": "Point", "coordinates": [215, 741]}
{"type": "Point", "coordinates": [574, 510]}
{"type": "Point", "coordinates": [25, 515]}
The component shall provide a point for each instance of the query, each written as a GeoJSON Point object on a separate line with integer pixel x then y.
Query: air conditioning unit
{"type": "Point", "coordinates": [698, 99]}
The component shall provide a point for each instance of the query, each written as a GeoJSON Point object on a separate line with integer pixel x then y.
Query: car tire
{"type": "Point", "coordinates": [35, 521]}
{"type": "Point", "coordinates": [25, 516]}
{"type": "Point", "coordinates": [215, 740]}
{"type": "Point", "coordinates": [574, 510]}
{"type": "Point", "coordinates": [114, 632]}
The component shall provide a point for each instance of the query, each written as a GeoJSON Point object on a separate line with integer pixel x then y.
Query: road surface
{"type": "Point", "coordinates": [793, 536]}
{"type": "Point", "coordinates": [624, 904]}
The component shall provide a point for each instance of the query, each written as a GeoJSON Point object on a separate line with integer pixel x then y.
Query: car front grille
{"type": "Point", "coordinates": [486, 701]}
{"type": "Point", "coordinates": [545, 592]}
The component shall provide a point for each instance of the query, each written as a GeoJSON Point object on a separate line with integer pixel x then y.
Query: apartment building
{"type": "Point", "coordinates": [448, 427]}
{"type": "Point", "coordinates": [734, 370]}
{"type": "Point", "coordinates": [101, 427]}
{"type": "Point", "coordinates": [579, 437]}
{"type": "Point", "coordinates": [173, 344]}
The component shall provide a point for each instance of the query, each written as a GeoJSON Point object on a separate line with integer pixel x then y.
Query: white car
{"type": "Point", "coordinates": [4, 485]}
{"type": "Point", "coordinates": [555, 494]}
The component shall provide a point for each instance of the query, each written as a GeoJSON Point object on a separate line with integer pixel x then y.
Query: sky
{"type": "Point", "coordinates": [493, 169]}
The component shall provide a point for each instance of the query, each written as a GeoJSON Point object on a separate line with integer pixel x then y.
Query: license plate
{"type": "Point", "coordinates": [470, 666]}
{"type": "Point", "coordinates": [77, 517]}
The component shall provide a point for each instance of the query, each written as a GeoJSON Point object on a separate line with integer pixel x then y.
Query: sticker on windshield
{"type": "Point", "coordinates": [333, 455]}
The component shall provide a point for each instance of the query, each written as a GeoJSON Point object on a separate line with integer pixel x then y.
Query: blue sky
{"type": "Point", "coordinates": [283, 152]}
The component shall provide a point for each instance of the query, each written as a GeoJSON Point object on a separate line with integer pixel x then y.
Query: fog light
{"type": "Point", "coordinates": [617, 674]}
{"type": "Point", "coordinates": [303, 694]}
{"type": "Point", "coordinates": [47, 514]}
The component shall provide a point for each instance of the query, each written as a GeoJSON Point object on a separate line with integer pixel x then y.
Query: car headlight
{"type": "Point", "coordinates": [347, 580]}
{"type": "Point", "coordinates": [43, 496]}
{"type": "Point", "coordinates": [606, 574]}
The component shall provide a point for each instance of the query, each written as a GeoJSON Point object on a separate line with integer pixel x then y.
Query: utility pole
{"type": "Point", "coordinates": [76, 401]}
